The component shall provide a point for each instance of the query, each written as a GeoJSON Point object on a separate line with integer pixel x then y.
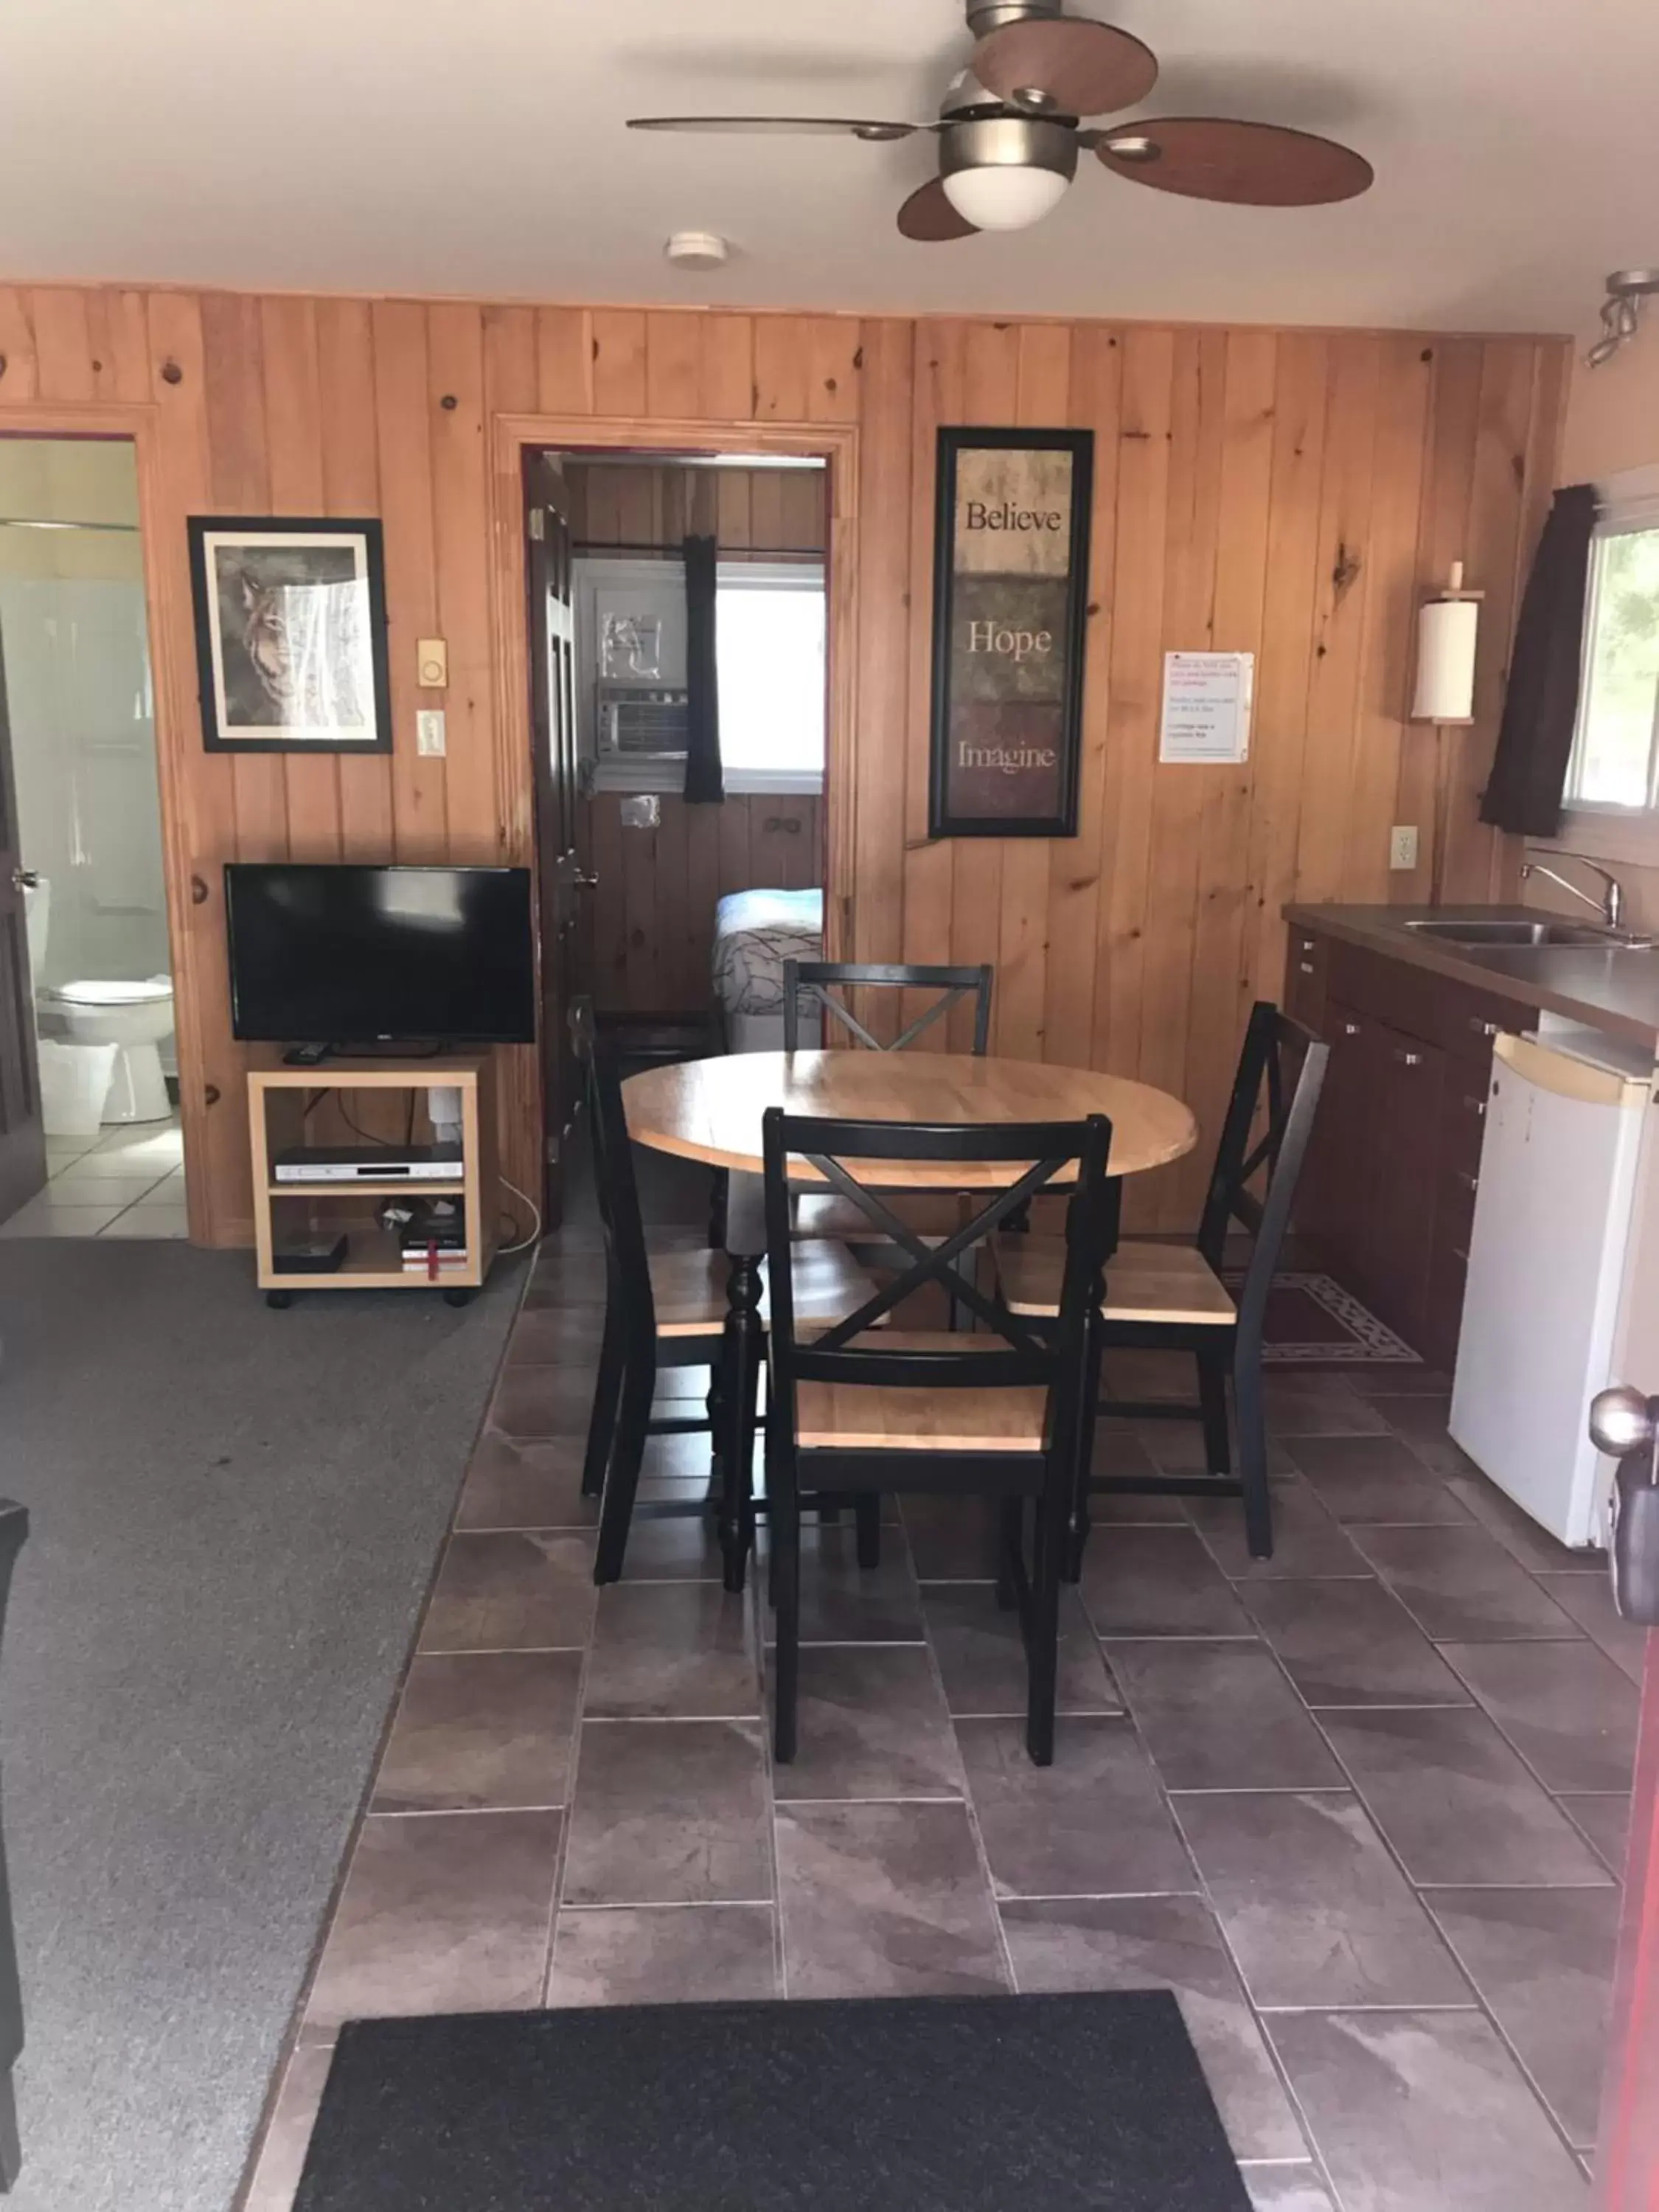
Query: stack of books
{"type": "Point", "coordinates": [435, 1252]}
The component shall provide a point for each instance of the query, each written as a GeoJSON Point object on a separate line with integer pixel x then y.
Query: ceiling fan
{"type": "Point", "coordinates": [1010, 131]}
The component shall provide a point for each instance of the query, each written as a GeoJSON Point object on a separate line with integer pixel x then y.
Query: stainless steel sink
{"type": "Point", "coordinates": [1500, 934]}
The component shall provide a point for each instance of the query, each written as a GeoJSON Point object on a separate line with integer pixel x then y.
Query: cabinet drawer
{"type": "Point", "coordinates": [1388, 990]}
{"type": "Point", "coordinates": [1454, 1211]}
{"type": "Point", "coordinates": [1469, 1021]}
{"type": "Point", "coordinates": [1463, 1119]}
{"type": "Point", "coordinates": [1306, 963]}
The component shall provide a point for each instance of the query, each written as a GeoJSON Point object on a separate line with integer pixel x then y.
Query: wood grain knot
{"type": "Point", "coordinates": [170, 372]}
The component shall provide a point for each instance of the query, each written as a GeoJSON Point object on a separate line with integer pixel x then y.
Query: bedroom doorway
{"type": "Point", "coordinates": [681, 724]}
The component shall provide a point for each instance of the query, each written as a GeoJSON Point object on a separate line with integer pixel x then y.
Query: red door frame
{"type": "Point", "coordinates": [1627, 2157]}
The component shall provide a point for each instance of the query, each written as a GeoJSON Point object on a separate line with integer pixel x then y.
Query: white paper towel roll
{"type": "Point", "coordinates": [1446, 631]}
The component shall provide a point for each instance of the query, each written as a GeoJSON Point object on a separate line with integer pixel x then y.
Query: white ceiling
{"type": "Point", "coordinates": [476, 147]}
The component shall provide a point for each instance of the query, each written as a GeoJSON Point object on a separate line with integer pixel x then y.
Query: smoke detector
{"type": "Point", "coordinates": [697, 249]}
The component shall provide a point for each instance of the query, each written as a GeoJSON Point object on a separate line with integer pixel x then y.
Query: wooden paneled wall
{"type": "Point", "coordinates": [771, 511]}
{"type": "Point", "coordinates": [1293, 492]}
{"type": "Point", "coordinates": [653, 908]}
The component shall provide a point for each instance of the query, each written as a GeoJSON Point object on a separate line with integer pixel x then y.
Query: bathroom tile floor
{"type": "Point", "coordinates": [128, 1181]}
{"type": "Point", "coordinates": [1361, 1806]}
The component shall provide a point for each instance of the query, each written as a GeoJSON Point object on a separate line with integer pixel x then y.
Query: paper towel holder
{"type": "Point", "coordinates": [1444, 690]}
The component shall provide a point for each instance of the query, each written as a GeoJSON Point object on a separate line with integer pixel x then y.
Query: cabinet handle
{"type": "Point", "coordinates": [1306, 945]}
{"type": "Point", "coordinates": [1470, 1182]}
{"type": "Point", "coordinates": [1350, 1029]}
{"type": "Point", "coordinates": [1476, 1105]}
{"type": "Point", "coordinates": [1457, 1253]}
{"type": "Point", "coordinates": [1407, 1059]}
{"type": "Point", "coordinates": [1307, 966]}
{"type": "Point", "coordinates": [1482, 1028]}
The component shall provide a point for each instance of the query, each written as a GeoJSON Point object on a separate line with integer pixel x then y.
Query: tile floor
{"type": "Point", "coordinates": [1362, 1806]}
{"type": "Point", "coordinates": [128, 1181]}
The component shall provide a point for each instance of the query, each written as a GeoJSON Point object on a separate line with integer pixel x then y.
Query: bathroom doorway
{"type": "Point", "coordinates": [84, 853]}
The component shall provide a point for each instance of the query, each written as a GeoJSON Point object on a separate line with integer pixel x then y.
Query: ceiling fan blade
{"type": "Point", "coordinates": [1083, 68]}
{"type": "Point", "coordinates": [928, 217]}
{"type": "Point", "coordinates": [1211, 157]}
{"type": "Point", "coordinates": [781, 125]}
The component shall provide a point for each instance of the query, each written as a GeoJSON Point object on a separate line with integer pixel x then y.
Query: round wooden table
{"type": "Point", "coordinates": [711, 1110]}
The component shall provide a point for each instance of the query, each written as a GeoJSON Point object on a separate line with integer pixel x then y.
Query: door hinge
{"type": "Point", "coordinates": [537, 525]}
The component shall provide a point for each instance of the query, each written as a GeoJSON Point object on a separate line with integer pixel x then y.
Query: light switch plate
{"type": "Point", "coordinates": [432, 663]}
{"type": "Point", "coordinates": [1402, 845]}
{"type": "Point", "coordinates": [429, 734]}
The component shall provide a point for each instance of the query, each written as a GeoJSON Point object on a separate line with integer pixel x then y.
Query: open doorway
{"type": "Point", "coordinates": [90, 1141]}
{"type": "Point", "coordinates": [679, 628]}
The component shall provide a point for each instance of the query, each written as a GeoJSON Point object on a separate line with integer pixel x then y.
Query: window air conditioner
{"type": "Point", "coordinates": [641, 722]}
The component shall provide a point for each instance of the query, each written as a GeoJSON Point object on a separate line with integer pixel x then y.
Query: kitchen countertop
{"type": "Point", "coordinates": [1613, 989]}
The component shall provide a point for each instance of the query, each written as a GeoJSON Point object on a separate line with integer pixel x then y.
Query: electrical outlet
{"type": "Point", "coordinates": [1402, 845]}
{"type": "Point", "coordinates": [429, 736]}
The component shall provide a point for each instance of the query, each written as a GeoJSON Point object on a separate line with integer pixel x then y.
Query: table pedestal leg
{"type": "Point", "coordinates": [742, 1343]}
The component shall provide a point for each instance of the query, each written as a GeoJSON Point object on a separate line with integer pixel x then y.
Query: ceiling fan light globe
{"type": "Point", "coordinates": [1005, 197]}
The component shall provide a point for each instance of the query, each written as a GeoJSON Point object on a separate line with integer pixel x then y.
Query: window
{"type": "Point", "coordinates": [1615, 755]}
{"type": "Point", "coordinates": [769, 631]}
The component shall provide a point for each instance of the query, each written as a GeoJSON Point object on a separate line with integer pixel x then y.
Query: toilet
{"type": "Point", "coordinates": [134, 1017]}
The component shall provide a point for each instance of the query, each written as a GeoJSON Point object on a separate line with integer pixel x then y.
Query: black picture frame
{"type": "Point", "coordinates": [244, 661]}
{"type": "Point", "coordinates": [950, 774]}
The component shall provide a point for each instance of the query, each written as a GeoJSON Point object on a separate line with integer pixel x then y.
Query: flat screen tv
{"type": "Point", "coordinates": [340, 955]}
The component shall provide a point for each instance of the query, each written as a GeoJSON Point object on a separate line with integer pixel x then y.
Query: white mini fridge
{"type": "Point", "coordinates": [1565, 1125]}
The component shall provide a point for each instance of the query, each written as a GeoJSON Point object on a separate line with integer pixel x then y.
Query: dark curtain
{"type": "Point", "coordinates": [705, 785]}
{"type": "Point", "coordinates": [1541, 705]}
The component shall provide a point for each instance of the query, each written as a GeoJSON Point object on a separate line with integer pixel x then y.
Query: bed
{"type": "Point", "coordinates": [754, 932]}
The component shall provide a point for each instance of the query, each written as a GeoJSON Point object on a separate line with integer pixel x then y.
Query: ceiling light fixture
{"type": "Point", "coordinates": [1621, 311]}
{"type": "Point", "coordinates": [1007, 172]}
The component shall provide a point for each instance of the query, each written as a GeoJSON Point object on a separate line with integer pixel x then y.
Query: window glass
{"type": "Point", "coordinates": [1613, 757]}
{"type": "Point", "coordinates": [769, 643]}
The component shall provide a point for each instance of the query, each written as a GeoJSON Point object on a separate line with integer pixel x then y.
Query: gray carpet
{"type": "Point", "coordinates": [235, 1515]}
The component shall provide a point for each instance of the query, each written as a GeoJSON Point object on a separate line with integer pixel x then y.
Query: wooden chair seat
{"type": "Point", "coordinates": [871, 1417]}
{"type": "Point", "coordinates": [1144, 1282]}
{"type": "Point", "coordinates": [689, 1288]}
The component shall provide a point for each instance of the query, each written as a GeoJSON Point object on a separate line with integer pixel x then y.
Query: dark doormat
{"type": "Point", "coordinates": [901, 2104]}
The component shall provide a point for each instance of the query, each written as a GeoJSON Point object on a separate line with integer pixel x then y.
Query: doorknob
{"type": "Point", "coordinates": [25, 879]}
{"type": "Point", "coordinates": [1625, 1424]}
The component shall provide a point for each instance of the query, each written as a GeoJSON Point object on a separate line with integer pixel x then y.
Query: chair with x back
{"type": "Point", "coordinates": [1172, 1297]}
{"type": "Point", "coordinates": [668, 1310]}
{"type": "Point", "coordinates": [858, 1409]}
{"type": "Point", "coordinates": [661, 1309]}
{"type": "Point", "coordinates": [816, 982]}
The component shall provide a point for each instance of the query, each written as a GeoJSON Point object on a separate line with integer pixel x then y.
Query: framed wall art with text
{"type": "Point", "coordinates": [1010, 582]}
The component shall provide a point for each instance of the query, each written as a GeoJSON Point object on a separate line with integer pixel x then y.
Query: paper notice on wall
{"type": "Point", "coordinates": [1207, 706]}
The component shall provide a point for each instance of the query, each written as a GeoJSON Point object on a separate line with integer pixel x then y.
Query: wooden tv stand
{"type": "Point", "coordinates": [282, 1102]}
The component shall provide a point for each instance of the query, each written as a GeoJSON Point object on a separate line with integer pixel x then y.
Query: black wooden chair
{"type": "Point", "coordinates": [663, 1309]}
{"type": "Point", "coordinates": [1172, 1297]}
{"type": "Point", "coordinates": [816, 982]}
{"type": "Point", "coordinates": [1004, 1411]}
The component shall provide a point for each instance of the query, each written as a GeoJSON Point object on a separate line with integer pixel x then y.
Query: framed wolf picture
{"type": "Point", "coordinates": [290, 635]}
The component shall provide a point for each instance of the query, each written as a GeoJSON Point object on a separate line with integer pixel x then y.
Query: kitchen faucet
{"type": "Point", "coordinates": [1610, 905]}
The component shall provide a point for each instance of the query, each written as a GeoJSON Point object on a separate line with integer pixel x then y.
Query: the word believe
{"type": "Point", "coordinates": [980, 516]}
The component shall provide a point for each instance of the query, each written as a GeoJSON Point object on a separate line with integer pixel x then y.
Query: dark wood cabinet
{"type": "Point", "coordinates": [1388, 1192]}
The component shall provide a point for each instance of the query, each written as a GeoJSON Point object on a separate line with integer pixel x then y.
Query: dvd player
{"type": "Point", "coordinates": [369, 1164]}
